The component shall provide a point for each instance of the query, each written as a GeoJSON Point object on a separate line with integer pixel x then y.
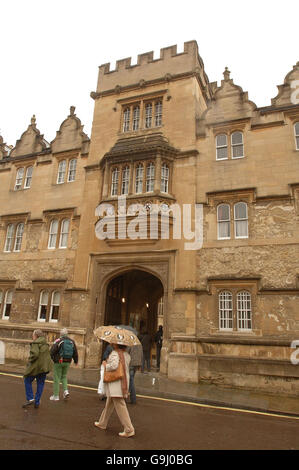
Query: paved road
{"type": "Point", "coordinates": [159, 424]}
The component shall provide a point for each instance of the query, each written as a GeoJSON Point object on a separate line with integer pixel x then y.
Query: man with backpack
{"type": "Point", "coordinates": [63, 351]}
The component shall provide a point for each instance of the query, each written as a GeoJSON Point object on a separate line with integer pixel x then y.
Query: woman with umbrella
{"type": "Point", "coordinates": [116, 376]}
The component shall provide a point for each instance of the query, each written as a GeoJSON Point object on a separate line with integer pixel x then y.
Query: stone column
{"type": "Point", "coordinates": [106, 181]}
{"type": "Point", "coordinates": [131, 181]}
{"type": "Point", "coordinates": [157, 186]}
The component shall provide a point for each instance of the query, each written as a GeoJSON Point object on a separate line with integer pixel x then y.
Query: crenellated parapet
{"type": "Point", "coordinates": [170, 65]}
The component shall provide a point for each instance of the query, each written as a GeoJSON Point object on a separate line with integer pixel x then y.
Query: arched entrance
{"type": "Point", "coordinates": [135, 298]}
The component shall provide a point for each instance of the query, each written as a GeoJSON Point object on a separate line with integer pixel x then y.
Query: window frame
{"type": "Point", "coordinates": [18, 236]}
{"type": "Point", "coordinates": [4, 315]}
{"type": "Point", "coordinates": [237, 145]}
{"type": "Point", "coordinates": [240, 220]}
{"type": "Point", "coordinates": [238, 313]}
{"type": "Point", "coordinates": [148, 116]}
{"type": "Point", "coordinates": [126, 119]}
{"type": "Point", "coordinates": [28, 177]}
{"type": "Point", "coordinates": [72, 171]}
{"type": "Point", "coordinates": [238, 310]}
{"type": "Point", "coordinates": [139, 179]}
{"type": "Point", "coordinates": [64, 233]}
{"type": "Point", "coordinates": [59, 233]}
{"type": "Point", "coordinates": [52, 306]}
{"type": "Point", "coordinates": [224, 221]}
{"type": "Point", "coordinates": [158, 113]}
{"type": "Point", "coordinates": [40, 305]}
{"type": "Point", "coordinates": [164, 187]}
{"type": "Point", "coordinates": [18, 185]}
{"type": "Point", "coordinates": [142, 114]}
{"type": "Point", "coordinates": [150, 177]}
{"type": "Point", "coordinates": [114, 181]}
{"type": "Point", "coordinates": [52, 234]}
{"type": "Point", "coordinates": [230, 145]}
{"type": "Point", "coordinates": [136, 119]}
{"type": "Point", "coordinates": [12, 243]}
{"type": "Point", "coordinates": [125, 180]}
{"type": "Point", "coordinates": [221, 147]}
{"type": "Point", "coordinates": [11, 238]}
{"type": "Point", "coordinates": [223, 309]}
{"type": "Point", "coordinates": [60, 172]}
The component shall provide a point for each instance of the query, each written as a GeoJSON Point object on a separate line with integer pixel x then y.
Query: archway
{"type": "Point", "coordinates": [135, 298]}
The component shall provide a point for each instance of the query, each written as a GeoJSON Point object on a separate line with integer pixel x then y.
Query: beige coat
{"type": "Point", "coordinates": [113, 389]}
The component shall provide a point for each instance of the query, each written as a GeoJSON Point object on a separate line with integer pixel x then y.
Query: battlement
{"type": "Point", "coordinates": [147, 68]}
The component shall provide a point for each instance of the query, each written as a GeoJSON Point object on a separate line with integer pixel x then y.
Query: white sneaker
{"type": "Point", "coordinates": [66, 394]}
{"type": "Point", "coordinates": [54, 398]}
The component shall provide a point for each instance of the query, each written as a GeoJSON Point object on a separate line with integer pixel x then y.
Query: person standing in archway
{"type": "Point", "coordinates": [146, 342]}
{"type": "Point", "coordinates": [158, 341]}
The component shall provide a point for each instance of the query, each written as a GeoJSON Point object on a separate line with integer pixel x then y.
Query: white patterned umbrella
{"type": "Point", "coordinates": [116, 335]}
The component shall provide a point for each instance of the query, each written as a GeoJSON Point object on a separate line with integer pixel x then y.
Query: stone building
{"type": "Point", "coordinates": [181, 209]}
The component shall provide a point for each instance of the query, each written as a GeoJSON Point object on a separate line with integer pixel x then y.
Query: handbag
{"type": "Point", "coordinates": [101, 389]}
{"type": "Point", "coordinates": [117, 374]}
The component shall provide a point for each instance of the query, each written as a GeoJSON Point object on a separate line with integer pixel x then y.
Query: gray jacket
{"type": "Point", "coordinates": [136, 354]}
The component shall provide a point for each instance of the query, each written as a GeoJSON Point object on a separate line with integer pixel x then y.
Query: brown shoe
{"type": "Point", "coordinates": [126, 434]}
{"type": "Point", "coordinates": [98, 425]}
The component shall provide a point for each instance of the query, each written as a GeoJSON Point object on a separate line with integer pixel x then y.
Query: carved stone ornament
{"type": "Point", "coordinates": [226, 74]}
{"type": "Point", "coordinates": [158, 269]}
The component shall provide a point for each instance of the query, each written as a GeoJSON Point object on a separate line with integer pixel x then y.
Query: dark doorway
{"type": "Point", "coordinates": [135, 298]}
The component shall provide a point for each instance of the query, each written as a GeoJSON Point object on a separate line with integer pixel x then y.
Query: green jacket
{"type": "Point", "coordinates": [39, 359]}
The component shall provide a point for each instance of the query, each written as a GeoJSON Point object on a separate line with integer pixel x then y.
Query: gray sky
{"type": "Point", "coordinates": [51, 50]}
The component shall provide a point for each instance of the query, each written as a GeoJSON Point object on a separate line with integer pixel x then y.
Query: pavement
{"type": "Point", "coordinates": [155, 384]}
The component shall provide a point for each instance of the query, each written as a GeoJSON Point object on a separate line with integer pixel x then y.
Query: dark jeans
{"type": "Point", "coordinates": [40, 382]}
{"type": "Point", "coordinates": [132, 385]}
{"type": "Point", "coordinates": [146, 359]}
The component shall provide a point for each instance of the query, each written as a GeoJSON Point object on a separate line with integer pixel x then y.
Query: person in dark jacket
{"type": "Point", "coordinates": [136, 354]}
{"type": "Point", "coordinates": [38, 366]}
{"type": "Point", "coordinates": [146, 342]}
{"type": "Point", "coordinates": [158, 341]}
{"type": "Point", "coordinates": [63, 351]}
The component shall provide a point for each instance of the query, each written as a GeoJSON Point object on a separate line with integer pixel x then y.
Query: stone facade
{"type": "Point", "coordinates": [163, 136]}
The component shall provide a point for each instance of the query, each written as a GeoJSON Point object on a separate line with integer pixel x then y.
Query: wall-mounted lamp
{"type": "Point", "coordinates": [123, 300]}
